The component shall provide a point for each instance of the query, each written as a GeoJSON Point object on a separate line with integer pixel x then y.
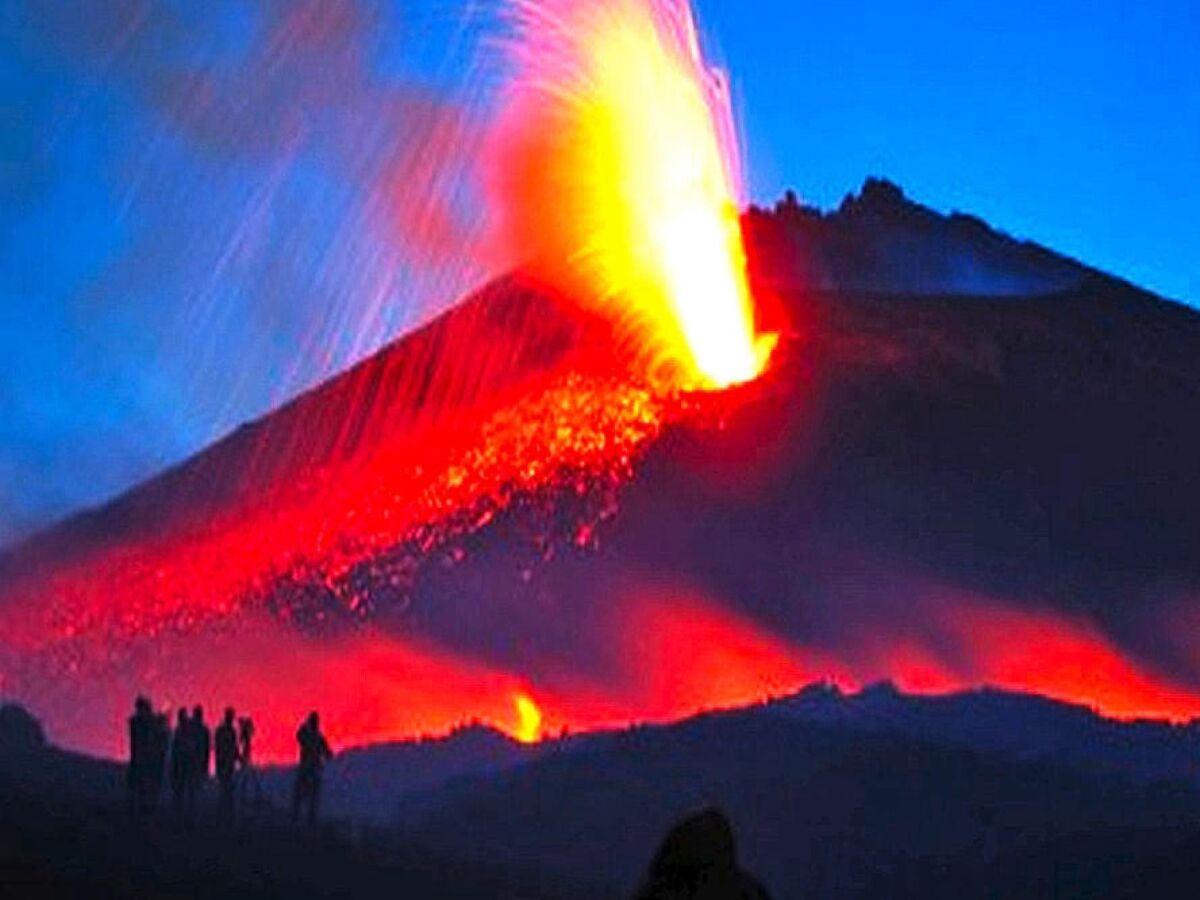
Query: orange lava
{"type": "Point", "coordinates": [615, 174]}
{"type": "Point", "coordinates": [529, 718]}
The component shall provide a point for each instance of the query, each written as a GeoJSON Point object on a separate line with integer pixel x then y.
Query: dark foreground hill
{"type": "Point", "coordinates": [371, 784]}
{"type": "Point", "coordinates": [65, 832]}
{"type": "Point", "coordinates": [822, 811]}
{"type": "Point", "coordinates": [831, 795]}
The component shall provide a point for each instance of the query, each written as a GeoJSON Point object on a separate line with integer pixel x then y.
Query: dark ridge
{"type": "Point", "coordinates": [875, 793]}
{"type": "Point", "coordinates": [879, 241]}
{"type": "Point", "coordinates": [828, 808]}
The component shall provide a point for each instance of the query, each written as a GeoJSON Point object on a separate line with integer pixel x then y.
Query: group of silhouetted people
{"type": "Point", "coordinates": [697, 859]}
{"type": "Point", "coordinates": [149, 736]}
{"type": "Point", "coordinates": [192, 747]}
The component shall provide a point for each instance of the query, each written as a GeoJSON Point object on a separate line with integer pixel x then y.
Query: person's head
{"type": "Point", "coordinates": [314, 721]}
{"type": "Point", "coordinates": [198, 713]}
{"type": "Point", "coordinates": [142, 706]}
{"type": "Point", "coordinates": [246, 726]}
{"type": "Point", "coordinates": [182, 716]}
{"type": "Point", "coordinates": [701, 842]}
{"type": "Point", "coordinates": [229, 715]}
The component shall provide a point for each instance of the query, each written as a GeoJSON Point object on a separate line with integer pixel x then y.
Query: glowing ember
{"type": "Point", "coordinates": [617, 179]}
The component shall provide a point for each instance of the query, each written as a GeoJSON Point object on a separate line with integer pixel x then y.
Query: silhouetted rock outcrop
{"type": "Point", "coordinates": [881, 242]}
{"type": "Point", "coordinates": [19, 729]}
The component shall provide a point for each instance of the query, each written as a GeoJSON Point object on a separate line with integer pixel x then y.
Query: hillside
{"type": "Point", "coordinates": [826, 811]}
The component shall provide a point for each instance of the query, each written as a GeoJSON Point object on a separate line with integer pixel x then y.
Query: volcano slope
{"type": "Point", "coordinates": [932, 484]}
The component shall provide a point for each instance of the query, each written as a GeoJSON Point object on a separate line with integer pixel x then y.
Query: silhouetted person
{"type": "Point", "coordinates": [202, 745]}
{"type": "Point", "coordinates": [698, 861]}
{"type": "Point", "coordinates": [199, 751]}
{"type": "Point", "coordinates": [160, 739]}
{"type": "Point", "coordinates": [314, 753]}
{"type": "Point", "coordinates": [249, 776]}
{"type": "Point", "coordinates": [141, 748]}
{"type": "Point", "coordinates": [225, 745]}
{"type": "Point", "coordinates": [181, 760]}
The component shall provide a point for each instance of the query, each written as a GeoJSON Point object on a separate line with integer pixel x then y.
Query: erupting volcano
{"type": "Point", "coordinates": [672, 458]}
{"type": "Point", "coordinates": [613, 176]}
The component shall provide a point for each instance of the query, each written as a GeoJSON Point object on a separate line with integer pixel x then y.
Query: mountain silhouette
{"type": "Point", "coordinates": [880, 242]}
{"type": "Point", "coordinates": [363, 783]}
{"type": "Point", "coordinates": [376, 781]}
{"type": "Point", "coordinates": [829, 810]}
{"type": "Point", "coordinates": [829, 794]}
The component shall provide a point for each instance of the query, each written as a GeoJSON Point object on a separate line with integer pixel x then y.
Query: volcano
{"type": "Point", "coordinates": [970, 461]}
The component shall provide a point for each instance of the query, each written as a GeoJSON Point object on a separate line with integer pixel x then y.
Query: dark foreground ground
{"type": "Point", "coordinates": [830, 796]}
{"type": "Point", "coordinates": [72, 848]}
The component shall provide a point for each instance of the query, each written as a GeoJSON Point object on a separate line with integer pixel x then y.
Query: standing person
{"type": "Point", "coordinates": [225, 742]}
{"type": "Point", "coordinates": [698, 858]}
{"type": "Point", "coordinates": [314, 753]}
{"type": "Point", "coordinates": [160, 738]}
{"type": "Point", "coordinates": [249, 777]}
{"type": "Point", "coordinates": [181, 763]}
{"type": "Point", "coordinates": [199, 751]}
{"type": "Point", "coordinates": [141, 726]}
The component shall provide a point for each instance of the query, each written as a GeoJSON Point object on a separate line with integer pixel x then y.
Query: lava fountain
{"type": "Point", "coordinates": [616, 176]}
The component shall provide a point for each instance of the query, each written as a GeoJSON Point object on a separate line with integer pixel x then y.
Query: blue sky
{"type": "Point", "coordinates": [1076, 124]}
{"type": "Point", "coordinates": [193, 227]}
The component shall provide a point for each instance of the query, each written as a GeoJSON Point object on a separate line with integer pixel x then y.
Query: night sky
{"type": "Point", "coordinates": [205, 210]}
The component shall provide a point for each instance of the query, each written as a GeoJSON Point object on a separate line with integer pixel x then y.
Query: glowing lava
{"type": "Point", "coordinates": [617, 181]}
{"type": "Point", "coordinates": [529, 719]}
